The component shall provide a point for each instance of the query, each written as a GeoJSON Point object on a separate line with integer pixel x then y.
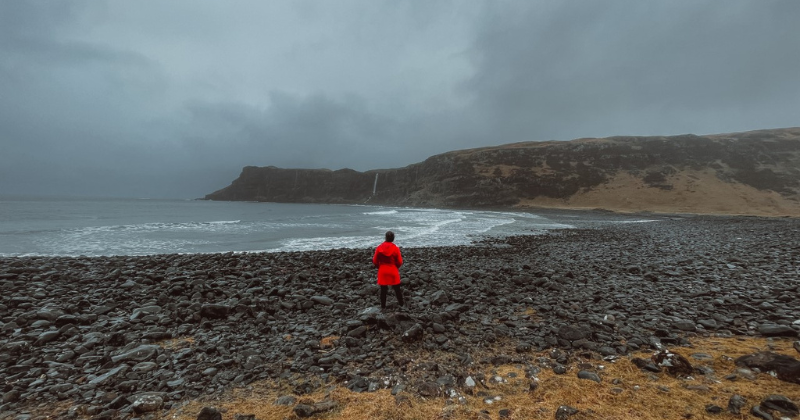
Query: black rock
{"type": "Point", "coordinates": [428, 389]}
{"type": "Point", "coordinates": [564, 412]}
{"type": "Point", "coordinates": [645, 365]}
{"type": "Point", "coordinates": [736, 403]}
{"type": "Point", "coordinates": [117, 403]}
{"type": "Point", "coordinates": [209, 413]}
{"type": "Point", "coordinates": [585, 374]}
{"type": "Point", "coordinates": [285, 400]}
{"type": "Point", "coordinates": [786, 368]}
{"type": "Point", "coordinates": [685, 325]}
{"type": "Point", "coordinates": [147, 404]}
{"type": "Point", "coordinates": [572, 332]}
{"type": "Point", "coordinates": [772, 330]}
{"type": "Point", "coordinates": [413, 334]}
{"type": "Point", "coordinates": [673, 363]}
{"type": "Point", "coordinates": [358, 332]}
{"type": "Point", "coordinates": [322, 300]}
{"type": "Point", "coordinates": [713, 409]}
{"type": "Point", "coordinates": [11, 396]}
{"type": "Point", "coordinates": [780, 403]}
{"type": "Point", "coordinates": [303, 410]}
{"type": "Point", "coordinates": [214, 311]}
{"type": "Point", "coordinates": [358, 384]}
{"type": "Point", "coordinates": [759, 412]}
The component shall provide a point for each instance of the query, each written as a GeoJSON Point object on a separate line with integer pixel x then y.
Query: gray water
{"type": "Point", "coordinates": [95, 227]}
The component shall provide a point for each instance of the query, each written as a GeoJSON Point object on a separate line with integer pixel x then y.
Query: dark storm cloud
{"type": "Point", "coordinates": [577, 68]}
{"type": "Point", "coordinates": [171, 99]}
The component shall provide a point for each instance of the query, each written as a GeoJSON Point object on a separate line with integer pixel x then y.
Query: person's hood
{"type": "Point", "coordinates": [386, 248]}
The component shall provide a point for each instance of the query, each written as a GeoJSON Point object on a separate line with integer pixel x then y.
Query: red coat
{"type": "Point", "coordinates": [388, 259]}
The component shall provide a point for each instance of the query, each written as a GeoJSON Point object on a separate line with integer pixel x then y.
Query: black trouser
{"type": "Point", "coordinates": [397, 292]}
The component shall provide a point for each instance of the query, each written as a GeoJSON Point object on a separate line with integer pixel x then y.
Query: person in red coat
{"type": "Point", "coordinates": [388, 260]}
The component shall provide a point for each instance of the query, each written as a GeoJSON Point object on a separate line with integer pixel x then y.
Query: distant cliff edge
{"type": "Point", "coordinates": [756, 172]}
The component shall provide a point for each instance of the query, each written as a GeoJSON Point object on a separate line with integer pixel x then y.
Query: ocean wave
{"type": "Point", "coordinates": [328, 242]}
{"type": "Point", "coordinates": [380, 213]}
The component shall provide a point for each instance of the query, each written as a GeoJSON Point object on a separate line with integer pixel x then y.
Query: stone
{"type": "Point", "coordinates": [428, 389]}
{"type": "Point", "coordinates": [708, 324]}
{"type": "Point", "coordinates": [209, 413]}
{"type": "Point", "coordinates": [358, 332]}
{"type": "Point", "coordinates": [413, 334]}
{"type": "Point", "coordinates": [144, 366]}
{"type": "Point", "coordinates": [772, 330]}
{"type": "Point", "coordinates": [780, 403]}
{"type": "Point", "coordinates": [303, 410]}
{"type": "Point", "coordinates": [786, 368]}
{"type": "Point", "coordinates": [46, 337]}
{"type": "Point", "coordinates": [147, 404]}
{"type": "Point", "coordinates": [285, 400]}
{"type": "Point", "coordinates": [736, 403]}
{"type": "Point", "coordinates": [585, 374]}
{"type": "Point", "coordinates": [469, 382]}
{"type": "Point", "coordinates": [214, 311]}
{"type": "Point", "coordinates": [111, 373]}
{"type": "Point", "coordinates": [308, 410]}
{"type": "Point", "coordinates": [139, 313]}
{"type": "Point", "coordinates": [138, 354]}
{"type": "Point", "coordinates": [11, 396]}
{"type": "Point", "coordinates": [713, 409]}
{"type": "Point", "coordinates": [645, 365]}
{"type": "Point", "coordinates": [439, 298]}
{"type": "Point", "coordinates": [358, 384]}
{"type": "Point", "coordinates": [565, 411]}
{"type": "Point", "coordinates": [759, 412]}
{"type": "Point", "coordinates": [572, 332]}
{"type": "Point", "coordinates": [673, 363]}
{"type": "Point", "coordinates": [117, 403]}
{"type": "Point", "coordinates": [685, 325]}
{"type": "Point", "coordinates": [322, 300]}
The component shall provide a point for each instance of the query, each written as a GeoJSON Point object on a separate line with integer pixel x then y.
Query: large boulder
{"type": "Point", "coordinates": [786, 368]}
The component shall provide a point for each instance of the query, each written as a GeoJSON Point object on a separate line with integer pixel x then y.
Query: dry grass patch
{"type": "Point", "coordinates": [329, 341]}
{"type": "Point", "coordinates": [176, 343]}
{"type": "Point", "coordinates": [625, 392]}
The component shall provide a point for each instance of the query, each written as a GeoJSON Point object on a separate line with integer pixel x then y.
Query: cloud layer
{"type": "Point", "coordinates": [171, 99]}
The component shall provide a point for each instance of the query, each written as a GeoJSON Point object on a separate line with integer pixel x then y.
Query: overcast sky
{"type": "Point", "coordinates": [172, 98]}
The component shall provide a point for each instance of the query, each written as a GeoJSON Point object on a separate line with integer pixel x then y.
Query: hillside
{"type": "Point", "coordinates": [756, 172]}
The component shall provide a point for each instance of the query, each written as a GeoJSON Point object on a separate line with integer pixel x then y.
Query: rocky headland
{"type": "Point", "coordinates": [130, 337]}
{"type": "Point", "coordinates": [751, 173]}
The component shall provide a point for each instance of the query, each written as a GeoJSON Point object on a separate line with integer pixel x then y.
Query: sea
{"type": "Point", "coordinates": [48, 226]}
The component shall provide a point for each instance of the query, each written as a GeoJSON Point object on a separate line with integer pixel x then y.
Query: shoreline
{"type": "Point", "coordinates": [180, 326]}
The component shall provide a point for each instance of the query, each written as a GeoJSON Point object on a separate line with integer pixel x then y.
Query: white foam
{"type": "Point", "coordinates": [380, 213]}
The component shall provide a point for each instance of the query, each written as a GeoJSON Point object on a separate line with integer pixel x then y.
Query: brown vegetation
{"type": "Point", "coordinates": [625, 392]}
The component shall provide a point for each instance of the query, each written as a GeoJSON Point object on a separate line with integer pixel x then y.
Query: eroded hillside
{"type": "Point", "coordinates": [756, 172]}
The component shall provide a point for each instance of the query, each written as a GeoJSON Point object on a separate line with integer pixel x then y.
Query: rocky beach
{"type": "Point", "coordinates": [133, 337]}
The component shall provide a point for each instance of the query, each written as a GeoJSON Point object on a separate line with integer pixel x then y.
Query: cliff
{"type": "Point", "coordinates": [755, 172]}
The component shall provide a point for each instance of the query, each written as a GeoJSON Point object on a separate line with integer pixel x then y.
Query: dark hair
{"type": "Point", "coordinates": [390, 236]}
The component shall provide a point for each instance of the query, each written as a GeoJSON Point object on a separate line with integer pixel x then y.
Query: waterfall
{"type": "Point", "coordinates": [375, 185]}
